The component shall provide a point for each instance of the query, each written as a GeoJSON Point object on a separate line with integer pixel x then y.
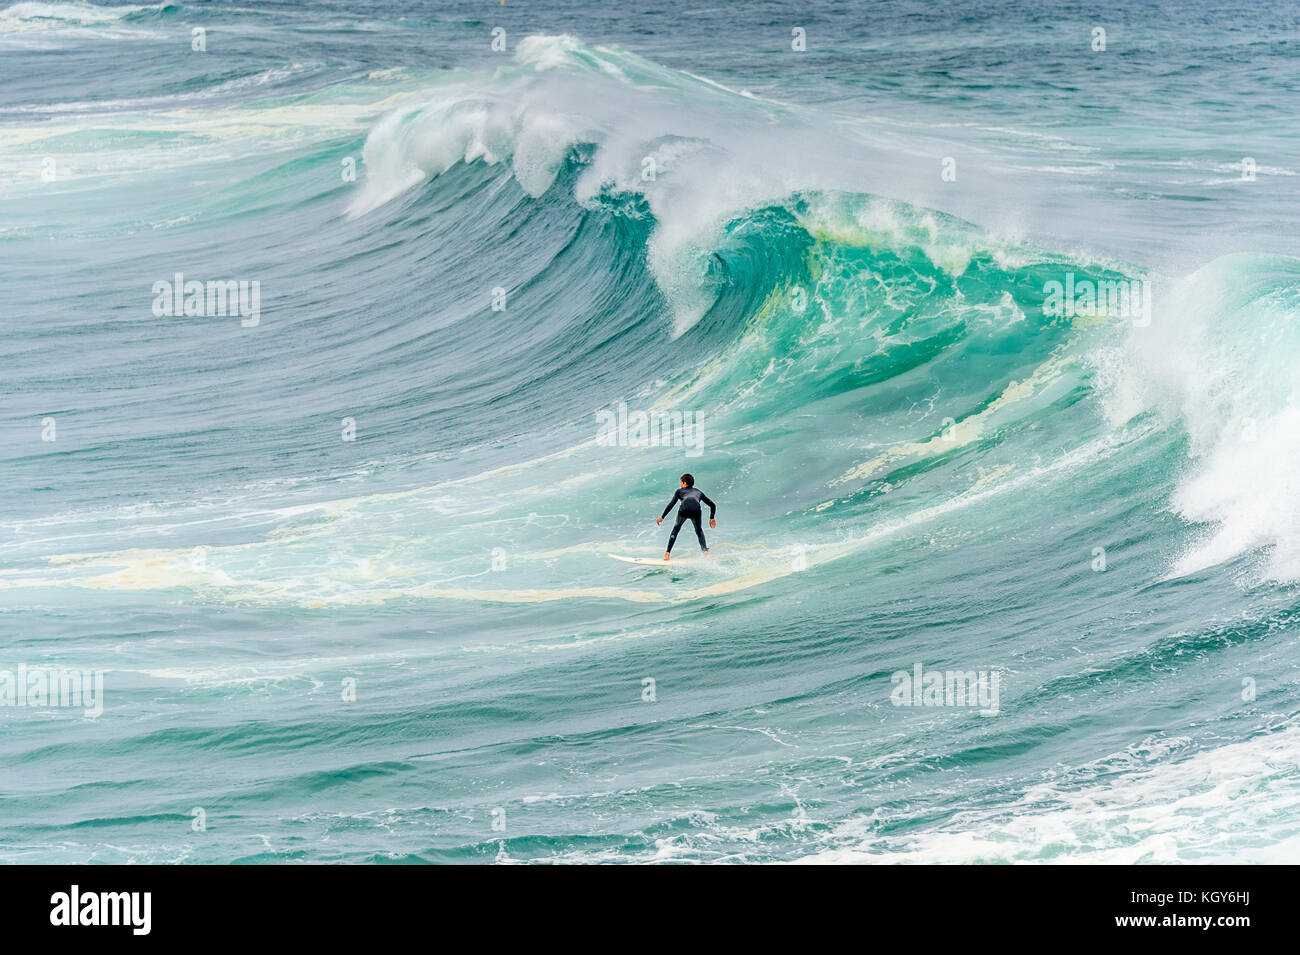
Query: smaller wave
{"type": "Point", "coordinates": [54, 15]}
{"type": "Point", "coordinates": [252, 82]}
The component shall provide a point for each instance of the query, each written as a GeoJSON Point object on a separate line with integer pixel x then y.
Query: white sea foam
{"type": "Point", "coordinates": [1234, 803]}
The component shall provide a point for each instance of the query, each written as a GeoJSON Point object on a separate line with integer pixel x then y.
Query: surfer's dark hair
{"type": "Point", "coordinates": [688, 480]}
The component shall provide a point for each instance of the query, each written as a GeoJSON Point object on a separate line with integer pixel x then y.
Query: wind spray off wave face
{"type": "Point", "coordinates": [341, 347]}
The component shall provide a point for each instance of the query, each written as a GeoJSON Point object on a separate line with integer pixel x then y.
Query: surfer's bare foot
{"type": "Point", "coordinates": [706, 553]}
{"type": "Point", "coordinates": [666, 556]}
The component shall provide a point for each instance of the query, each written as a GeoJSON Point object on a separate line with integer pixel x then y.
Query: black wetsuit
{"type": "Point", "coordinates": [690, 498]}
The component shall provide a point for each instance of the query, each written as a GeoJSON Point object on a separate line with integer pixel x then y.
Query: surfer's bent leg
{"type": "Point", "coordinates": [681, 519]}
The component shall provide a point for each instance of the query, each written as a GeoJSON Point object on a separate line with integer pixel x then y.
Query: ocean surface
{"type": "Point", "coordinates": [340, 557]}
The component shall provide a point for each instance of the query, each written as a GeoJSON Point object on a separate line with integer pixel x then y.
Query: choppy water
{"type": "Point", "coordinates": [674, 210]}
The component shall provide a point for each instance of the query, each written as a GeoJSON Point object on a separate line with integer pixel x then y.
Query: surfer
{"type": "Point", "coordinates": [689, 497]}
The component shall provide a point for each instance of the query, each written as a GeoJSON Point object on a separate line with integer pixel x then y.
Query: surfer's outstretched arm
{"type": "Point", "coordinates": [677, 496]}
{"type": "Point", "coordinates": [713, 509]}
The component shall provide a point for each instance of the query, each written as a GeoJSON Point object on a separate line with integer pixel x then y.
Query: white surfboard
{"type": "Point", "coordinates": [654, 561]}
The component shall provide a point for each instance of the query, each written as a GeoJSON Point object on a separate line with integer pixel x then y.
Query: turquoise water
{"type": "Point", "coordinates": [341, 560]}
